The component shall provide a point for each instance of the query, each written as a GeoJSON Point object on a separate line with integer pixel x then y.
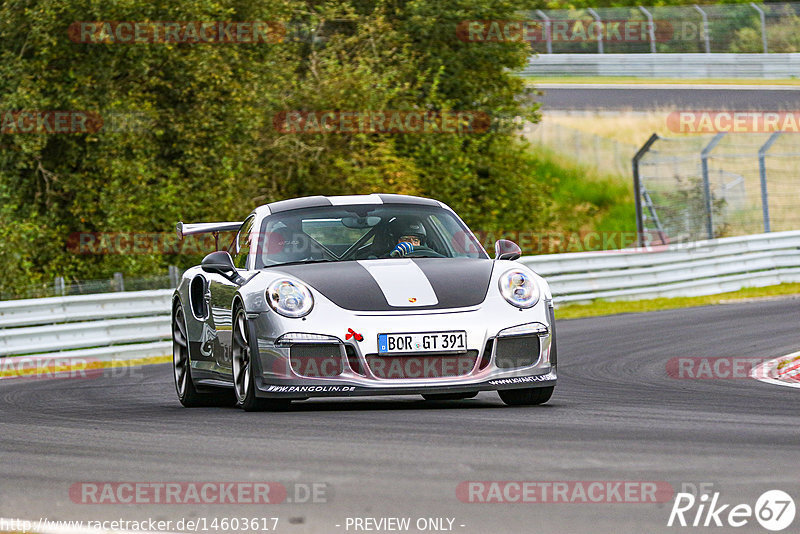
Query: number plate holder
{"type": "Point", "coordinates": [451, 341]}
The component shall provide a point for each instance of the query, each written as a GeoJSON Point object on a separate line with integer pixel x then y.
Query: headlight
{"type": "Point", "coordinates": [289, 298]}
{"type": "Point", "coordinates": [519, 289]}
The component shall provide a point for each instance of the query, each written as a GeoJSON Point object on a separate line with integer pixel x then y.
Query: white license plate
{"type": "Point", "coordinates": [455, 341]}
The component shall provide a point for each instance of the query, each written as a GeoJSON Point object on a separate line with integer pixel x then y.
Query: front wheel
{"type": "Point", "coordinates": [242, 358]}
{"type": "Point", "coordinates": [526, 396]}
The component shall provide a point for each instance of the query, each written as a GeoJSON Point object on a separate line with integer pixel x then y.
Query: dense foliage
{"type": "Point", "coordinates": [189, 130]}
{"type": "Point", "coordinates": [189, 134]}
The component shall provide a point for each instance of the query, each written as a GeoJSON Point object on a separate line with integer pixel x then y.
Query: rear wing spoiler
{"type": "Point", "coordinates": [184, 229]}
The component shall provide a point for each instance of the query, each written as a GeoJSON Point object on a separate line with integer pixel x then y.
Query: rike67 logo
{"type": "Point", "coordinates": [774, 510]}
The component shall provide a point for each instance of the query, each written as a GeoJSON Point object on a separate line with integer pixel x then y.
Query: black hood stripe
{"type": "Point", "coordinates": [457, 282]}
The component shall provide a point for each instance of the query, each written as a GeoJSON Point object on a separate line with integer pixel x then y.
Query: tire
{"type": "Point", "coordinates": [244, 385]}
{"type": "Point", "coordinates": [188, 395]}
{"type": "Point", "coordinates": [448, 396]}
{"type": "Point", "coordinates": [526, 396]}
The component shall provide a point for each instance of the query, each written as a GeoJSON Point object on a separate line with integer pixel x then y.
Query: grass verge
{"type": "Point", "coordinates": [585, 199]}
{"type": "Point", "coordinates": [602, 307]}
{"type": "Point", "coordinates": [629, 127]}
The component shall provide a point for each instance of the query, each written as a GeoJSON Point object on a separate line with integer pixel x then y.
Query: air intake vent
{"type": "Point", "coordinates": [422, 365]}
{"type": "Point", "coordinates": [517, 351]}
{"type": "Point", "coordinates": [316, 360]}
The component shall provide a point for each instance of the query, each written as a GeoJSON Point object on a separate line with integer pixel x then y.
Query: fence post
{"type": "Point", "coordinates": [763, 18]}
{"type": "Point", "coordinates": [597, 18]}
{"type": "Point", "coordinates": [174, 276]}
{"type": "Point", "coordinates": [706, 184]}
{"type": "Point", "coordinates": [651, 29]}
{"type": "Point", "coordinates": [547, 35]}
{"type": "Point", "coordinates": [762, 170]}
{"type": "Point", "coordinates": [59, 286]}
{"type": "Point", "coordinates": [119, 282]}
{"type": "Point", "coordinates": [706, 37]}
{"type": "Point", "coordinates": [637, 188]}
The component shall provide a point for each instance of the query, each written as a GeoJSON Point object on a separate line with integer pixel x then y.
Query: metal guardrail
{"type": "Point", "coordinates": [689, 269]}
{"type": "Point", "coordinates": [784, 65]}
{"type": "Point", "coordinates": [44, 311]}
{"type": "Point", "coordinates": [136, 325]}
{"type": "Point", "coordinates": [126, 325]}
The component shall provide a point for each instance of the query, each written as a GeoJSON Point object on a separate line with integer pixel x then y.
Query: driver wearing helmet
{"type": "Point", "coordinates": [411, 236]}
{"type": "Point", "coordinates": [411, 239]}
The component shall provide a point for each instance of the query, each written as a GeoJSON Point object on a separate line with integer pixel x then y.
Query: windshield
{"type": "Point", "coordinates": [362, 232]}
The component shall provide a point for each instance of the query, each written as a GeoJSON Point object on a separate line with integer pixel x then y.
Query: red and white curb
{"type": "Point", "coordinates": [782, 371]}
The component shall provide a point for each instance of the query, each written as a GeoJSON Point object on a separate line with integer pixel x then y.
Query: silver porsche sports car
{"type": "Point", "coordinates": [359, 295]}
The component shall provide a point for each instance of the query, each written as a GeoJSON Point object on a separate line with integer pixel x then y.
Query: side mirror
{"type": "Point", "coordinates": [506, 250]}
{"type": "Point", "coordinates": [220, 262]}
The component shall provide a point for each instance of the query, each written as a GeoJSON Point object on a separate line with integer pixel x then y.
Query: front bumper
{"type": "Point", "coordinates": [351, 366]}
{"type": "Point", "coordinates": [302, 390]}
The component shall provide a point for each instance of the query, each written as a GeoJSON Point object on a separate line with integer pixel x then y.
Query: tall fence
{"type": "Point", "coordinates": [729, 28]}
{"type": "Point", "coordinates": [605, 154]}
{"type": "Point", "coordinates": [717, 185]}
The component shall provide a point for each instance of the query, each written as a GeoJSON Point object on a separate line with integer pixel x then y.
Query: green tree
{"type": "Point", "coordinates": [204, 145]}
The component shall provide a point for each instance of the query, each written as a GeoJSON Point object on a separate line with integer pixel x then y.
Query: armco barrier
{"type": "Point", "coordinates": [690, 269]}
{"type": "Point", "coordinates": [753, 66]}
{"type": "Point", "coordinates": [108, 326]}
{"type": "Point", "coordinates": [136, 325]}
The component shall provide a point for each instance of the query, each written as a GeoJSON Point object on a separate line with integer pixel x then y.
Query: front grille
{"type": "Point", "coordinates": [422, 365]}
{"type": "Point", "coordinates": [516, 351]}
{"type": "Point", "coordinates": [316, 360]}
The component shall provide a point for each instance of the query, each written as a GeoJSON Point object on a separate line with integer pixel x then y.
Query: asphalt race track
{"type": "Point", "coordinates": [674, 97]}
{"type": "Point", "coordinates": [616, 416]}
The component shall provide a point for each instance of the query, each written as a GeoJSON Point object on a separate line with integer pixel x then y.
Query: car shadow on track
{"type": "Point", "coordinates": [490, 401]}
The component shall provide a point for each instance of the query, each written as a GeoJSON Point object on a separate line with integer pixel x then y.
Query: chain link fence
{"type": "Point", "coordinates": [59, 287]}
{"type": "Point", "coordinates": [607, 155]}
{"type": "Point", "coordinates": [717, 185]}
{"type": "Point", "coordinates": [730, 28]}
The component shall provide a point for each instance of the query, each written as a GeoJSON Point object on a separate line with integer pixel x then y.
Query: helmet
{"type": "Point", "coordinates": [412, 228]}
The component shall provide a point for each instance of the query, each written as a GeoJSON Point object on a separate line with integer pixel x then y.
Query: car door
{"type": "Point", "coordinates": [222, 292]}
